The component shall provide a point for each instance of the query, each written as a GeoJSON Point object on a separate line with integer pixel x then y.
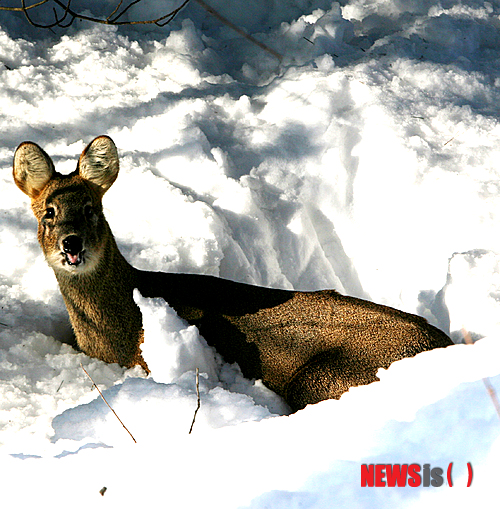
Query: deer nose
{"type": "Point", "coordinates": [72, 245]}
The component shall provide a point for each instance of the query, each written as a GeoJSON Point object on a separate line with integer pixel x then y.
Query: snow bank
{"type": "Point", "coordinates": [365, 161]}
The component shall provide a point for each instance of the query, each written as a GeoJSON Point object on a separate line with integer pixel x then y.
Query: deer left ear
{"type": "Point", "coordinates": [33, 169]}
{"type": "Point", "coordinates": [99, 163]}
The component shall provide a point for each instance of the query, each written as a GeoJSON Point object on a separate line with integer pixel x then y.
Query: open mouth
{"type": "Point", "coordinates": [72, 250]}
{"type": "Point", "coordinates": [74, 260]}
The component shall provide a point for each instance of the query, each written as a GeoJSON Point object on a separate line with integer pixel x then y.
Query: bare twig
{"type": "Point", "coordinates": [104, 399]}
{"type": "Point", "coordinates": [131, 4]}
{"type": "Point", "coordinates": [198, 395]}
{"type": "Point", "coordinates": [57, 22]}
{"type": "Point", "coordinates": [23, 9]}
{"type": "Point", "coordinates": [489, 388]}
{"type": "Point", "coordinates": [451, 139]}
{"type": "Point", "coordinates": [493, 394]}
{"type": "Point", "coordinates": [467, 336]}
{"type": "Point", "coordinates": [111, 19]}
{"type": "Point", "coordinates": [114, 18]}
{"type": "Point", "coordinates": [238, 30]}
{"type": "Point", "coordinates": [116, 9]}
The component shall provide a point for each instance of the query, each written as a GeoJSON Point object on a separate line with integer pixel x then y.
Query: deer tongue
{"type": "Point", "coordinates": [73, 259]}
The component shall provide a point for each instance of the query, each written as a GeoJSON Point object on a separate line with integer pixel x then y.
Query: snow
{"type": "Point", "coordinates": [365, 161]}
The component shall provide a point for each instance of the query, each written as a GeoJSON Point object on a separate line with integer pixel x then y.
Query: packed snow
{"type": "Point", "coordinates": [366, 160]}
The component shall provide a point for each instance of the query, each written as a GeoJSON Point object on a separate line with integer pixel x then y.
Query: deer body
{"type": "Point", "coordinates": [306, 346]}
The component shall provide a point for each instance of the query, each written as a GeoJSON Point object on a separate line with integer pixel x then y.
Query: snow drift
{"type": "Point", "coordinates": [365, 161]}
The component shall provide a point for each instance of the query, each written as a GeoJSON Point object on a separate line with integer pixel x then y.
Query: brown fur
{"type": "Point", "coordinates": [306, 346]}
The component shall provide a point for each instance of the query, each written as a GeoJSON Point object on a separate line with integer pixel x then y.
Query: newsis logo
{"type": "Point", "coordinates": [413, 475]}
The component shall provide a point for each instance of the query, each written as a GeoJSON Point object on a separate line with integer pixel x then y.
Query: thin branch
{"type": "Point", "coordinates": [66, 12]}
{"type": "Point", "coordinates": [489, 388]}
{"type": "Point", "coordinates": [171, 16]}
{"type": "Point", "coordinates": [106, 21]}
{"type": "Point", "coordinates": [23, 9]}
{"type": "Point", "coordinates": [30, 21]}
{"type": "Point", "coordinates": [104, 399]}
{"type": "Point", "coordinates": [450, 140]}
{"type": "Point", "coordinates": [238, 30]}
{"type": "Point", "coordinates": [198, 395]}
{"type": "Point", "coordinates": [131, 4]}
{"type": "Point", "coordinates": [117, 14]}
{"type": "Point", "coordinates": [59, 21]}
{"type": "Point", "coordinates": [109, 20]}
{"type": "Point", "coordinates": [493, 394]}
{"type": "Point", "coordinates": [114, 11]}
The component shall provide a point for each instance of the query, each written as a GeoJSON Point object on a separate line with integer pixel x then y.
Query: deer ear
{"type": "Point", "coordinates": [99, 163]}
{"type": "Point", "coordinates": [33, 168]}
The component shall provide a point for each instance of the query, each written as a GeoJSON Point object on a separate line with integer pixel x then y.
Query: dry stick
{"type": "Point", "coordinates": [104, 399]}
{"type": "Point", "coordinates": [493, 395]}
{"type": "Point", "coordinates": [131, 4]}
{"type": "Point", "coordinates": [70, 13]}
{"type": "Point", "coordinates": [112, 19]}
{"type": "Point", "coordinates": [58, 21]}
{"type": "Point", "coordinates": [115, 10]}
{"type": "Point", "coordinates": [199, 402]}
{"type": "Point", "coordinates": [489, 388]}
{"type": "Point", "coordinates": [449, 141]}
{"type": "Point", "coordinates": [238, 30]}
{"type": "Point", "coordinates": [22, 9]}
{"type": "Point", "coordinates": [161, 21]}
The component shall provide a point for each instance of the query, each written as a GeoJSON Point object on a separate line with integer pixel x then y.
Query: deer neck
{"type": "Point", "coordinates": [106, 321]}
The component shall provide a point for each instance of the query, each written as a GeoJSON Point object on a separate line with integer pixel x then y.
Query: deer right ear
{"type": "Point", "coordinates": [99, 163]}
{"type": "Point", "coordinates": [33, 168]}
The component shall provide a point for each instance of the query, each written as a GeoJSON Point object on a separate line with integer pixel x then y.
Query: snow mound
{"type": "Point", "coordinates": [366, 160]}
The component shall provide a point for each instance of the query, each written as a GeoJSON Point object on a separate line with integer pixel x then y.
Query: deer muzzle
{"type": "Point", "coordinates": [72, 247]}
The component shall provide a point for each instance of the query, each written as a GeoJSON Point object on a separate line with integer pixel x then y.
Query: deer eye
{"type": "Point", "coordinates": [49, 213]}
{"type": "Point", "coordinates": [88, 212]}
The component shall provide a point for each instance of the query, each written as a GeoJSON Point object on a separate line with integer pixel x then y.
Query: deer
{"type": "Point", "coordinates": [306, 346]}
